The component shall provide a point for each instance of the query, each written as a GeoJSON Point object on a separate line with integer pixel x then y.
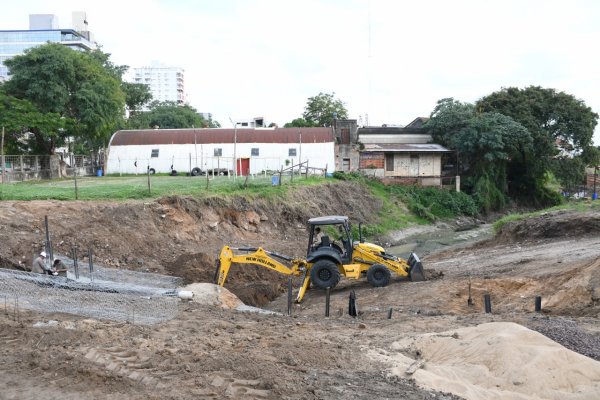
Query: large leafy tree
{"type": "Point", "coordinates": [136, 94]}
{"type": "Point", "coordinates": [556, 121]}
{"type": "Point", "coordinates": [488, 145]}
{"type": "Point", "coordinates": [75, 85]}
{"type": "Point", "coordinates": [170, 115]}
{"type": "Point", "coordinates": [19, 118]}
{"type": "Point", "coordinates": [320, 110]}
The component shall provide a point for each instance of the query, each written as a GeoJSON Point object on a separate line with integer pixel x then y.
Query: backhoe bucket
{"type": "Point", "coordinates": [416, 272]}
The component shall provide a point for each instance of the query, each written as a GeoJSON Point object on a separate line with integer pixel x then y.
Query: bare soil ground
{"type": "Point", "coordinates": [209, 352]}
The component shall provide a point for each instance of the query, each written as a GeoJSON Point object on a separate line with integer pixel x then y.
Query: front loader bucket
{"type": "Point", "coordinates": [416, 272]}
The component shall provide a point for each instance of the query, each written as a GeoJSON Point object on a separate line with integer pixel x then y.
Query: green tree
{"type": "Point", "coordinates": [320, 109]}
{"type": "Point", "coordinates": [136, 95]}
{"type": "Point", "coordinates": [20, 118]}
{"type": "Point", "coordinates": [169, 115]}
{"type": "Point", "coordinates": [75, 85]}
{"type": "Point", "coordinates": [555, 120]}
{"type": "Point", "coordinates": [570, 172]}
{"type": "Point", "coordinates": [591, 156]}
{"type": "Point", "coordinates": [488, 145]}
{"type": "Point", "coordinates": [299, 123]}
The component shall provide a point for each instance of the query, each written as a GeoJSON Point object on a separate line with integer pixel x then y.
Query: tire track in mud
{"type": "Point", "coordinates": [125, 363]}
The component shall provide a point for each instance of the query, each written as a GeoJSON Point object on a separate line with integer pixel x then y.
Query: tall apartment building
{"type": "Point", "coordinates": [166, 83]}
{"type": "Point", "coordinates": [44, 28]}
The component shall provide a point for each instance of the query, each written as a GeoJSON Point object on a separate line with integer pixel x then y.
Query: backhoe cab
{"type": "Point", "coordinates": [329, 258]}
{"type": "Point", "coordinates": [331, 253]}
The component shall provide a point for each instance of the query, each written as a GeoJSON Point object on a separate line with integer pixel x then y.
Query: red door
{"type": "Point", "coordinates": [243, 166]}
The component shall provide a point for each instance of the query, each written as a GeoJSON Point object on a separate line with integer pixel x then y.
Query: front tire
{"type": "Point", "coordinates": [325, 274]}
{"type": "Point", "coordinates": [378, 275]}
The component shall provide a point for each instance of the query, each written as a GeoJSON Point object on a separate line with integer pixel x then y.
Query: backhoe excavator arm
{"type": "Point", "coordinates": [264, 258]}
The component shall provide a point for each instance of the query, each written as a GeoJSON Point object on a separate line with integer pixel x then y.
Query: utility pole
{"type": "Point", "coordinates": [300, 158]}
{"type": "Point", "coordinates": [235, 124]}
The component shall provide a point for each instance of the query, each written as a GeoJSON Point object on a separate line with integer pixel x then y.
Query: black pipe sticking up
{"type": "Point", "coordinates": [289, 298]}
{"type": "Point", "coordinates": [352, 305]}
{"type": "Point", "coordinates": [538, 303]}
{"type": "Point", "coordinates": [488, 303]}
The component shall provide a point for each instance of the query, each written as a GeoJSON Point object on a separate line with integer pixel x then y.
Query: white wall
{"type": "Point", "coordinates": [271, 156]}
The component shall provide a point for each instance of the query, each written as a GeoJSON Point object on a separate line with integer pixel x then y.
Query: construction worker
{"type": "Point", "coordinates": [59, 268]}
{"type": "Point", "coordinates": [39, 264]}
{"type": "Point", "coordinates": [318, 237]}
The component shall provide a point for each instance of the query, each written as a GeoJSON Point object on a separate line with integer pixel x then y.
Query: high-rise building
{"type": "Point", "coordinates": [165, 83]}
{"type": "Point", "coordinates": [43, 28]}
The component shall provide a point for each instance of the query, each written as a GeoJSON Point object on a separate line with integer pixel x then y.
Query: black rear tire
{"type": "Point", "coordinates": [378, 275]}
{"type": "Point", "coordinates": [152, 171]}
{"type": "Point", "coordinates": [324, 274]}
{"type": "Point", "coordinates": [196, 171]}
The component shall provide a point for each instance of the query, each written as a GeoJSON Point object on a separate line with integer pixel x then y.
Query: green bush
{"type": "Point", "coordinates": [434, 203]}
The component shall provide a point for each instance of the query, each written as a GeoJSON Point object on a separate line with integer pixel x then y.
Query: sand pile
{"type": "Point", "coordinates": [213, 295]}
{"type": "Point", "coordinates": [499, 360]}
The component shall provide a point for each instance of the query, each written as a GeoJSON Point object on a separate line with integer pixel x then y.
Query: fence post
{"type": "Point", "coordinates": [149, 188]}
{"type": "Point", "coordinates": [75, 177]}
{"type": "Point", "coordinates": [21, 168]}
{"type": "Point", "coordinates": [91, 263]}
{"type": "Point", "coordinates": [306, 177]}
{"type": "Point", "coordinates": [280, 173]}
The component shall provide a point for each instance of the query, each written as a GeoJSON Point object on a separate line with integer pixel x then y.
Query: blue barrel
{"type": "Point", "coordinates": [99, 172]}
{"type": "Point", "coordinates": [595, 196]}
{"type": "Point", "coordinates": [275, 180]}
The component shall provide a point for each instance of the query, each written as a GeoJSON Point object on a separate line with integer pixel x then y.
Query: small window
{"type": "Point", "coordinates": [154, 153]}
{"type": "Point", "coordinates": [218, 152]}
{"type": "Point", "coordinates": [292, 153]}
{"type": "Point", "coordinates": [389, 162]}
{"type": "Point", "coordinates": [254, 152]}
{"type": "Point", "coordinates": [346, 164]}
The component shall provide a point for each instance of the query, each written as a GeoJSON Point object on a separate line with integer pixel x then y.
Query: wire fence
{"type": "Point", "coordinates": [25, 168]}
{"type": "Point", "coordinates": [117, 295]}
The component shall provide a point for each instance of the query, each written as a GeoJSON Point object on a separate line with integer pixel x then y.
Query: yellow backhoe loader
{"type": "Point", "coordinates": [327, 259]}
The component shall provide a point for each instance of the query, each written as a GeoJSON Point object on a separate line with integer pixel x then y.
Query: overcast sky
{"type": "Point", "coordinates": [390, 60]}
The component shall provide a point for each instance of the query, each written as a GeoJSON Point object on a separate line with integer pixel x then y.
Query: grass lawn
{"type": "Point", "coordinates": [136, 187]}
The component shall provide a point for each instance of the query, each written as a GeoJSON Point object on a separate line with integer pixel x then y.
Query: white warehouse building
{"type": "Point", "coordinates": [256, 150]}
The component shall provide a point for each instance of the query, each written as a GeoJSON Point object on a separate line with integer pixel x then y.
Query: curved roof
{"type": "Point", "coordinates": [220, 135]}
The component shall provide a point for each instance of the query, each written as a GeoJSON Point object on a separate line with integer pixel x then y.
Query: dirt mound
{"type": "Point", "coordinates": [495, 361]}
{"type": "Point", "coordinates": [551, 225]}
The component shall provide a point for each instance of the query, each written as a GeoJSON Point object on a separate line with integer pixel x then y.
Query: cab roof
{"type": "Point", "coordinates": [328, 220]}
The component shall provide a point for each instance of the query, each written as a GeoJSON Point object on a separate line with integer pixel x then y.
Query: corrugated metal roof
{"type": "Point", "coordinates": [221, 135]}
{"type": "Point", "coordinates": [406, 148]}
